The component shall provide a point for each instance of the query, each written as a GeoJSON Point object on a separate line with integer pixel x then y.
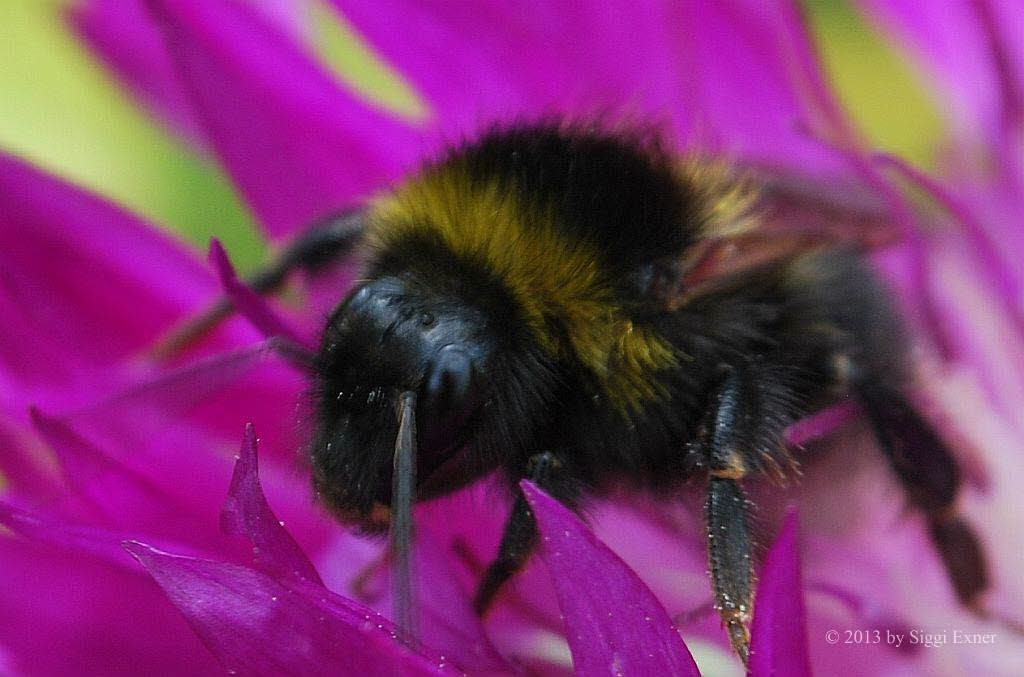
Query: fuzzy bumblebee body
{"type": "Point", "coordinates": [541, 293]}
{"type": "Point", "coordinates": [560, 242]}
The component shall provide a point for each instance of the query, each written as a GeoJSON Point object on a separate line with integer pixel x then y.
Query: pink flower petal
{"type": "Point", "coordinates": [114, 494]}
{"type": "Point", "coordinates": [448, 620]}
{"type": "Point", "coordinates": [123, 34]}
{"type": "Point", "coordinates": [24, 463]}
{"type": "Point", "coordinates": [64, 611]}
{"type": "Point", "coordinates": [778, 642]}
{"type": "Point", "coordinates": [298, 146]}
{"type": "Point", "coordinates": [868, 613]}
{"type": "Point", "coordinates": [492, 60]}
{"type": "Point", "coordinates": [956, 49]}
{"type": "Point", "coordinates": [83, 286]}
{"type": "Point", "coordinates": [822, 423]}
{"type": "Point", "coordinates": [613, 621]}
{"type": "Point", "coordinates": [995, 258]}
{"type": "Point", "coordinates": [489, 61]}
{"type": "Point", "coordinates": [258, 625]}
{"type": "Point", "coordinates": [247, 513]}
{"type": "Point", "coordinates": [101, 542]}
{"type": "Point", "coordinates": [172, 394]}
{"type": "Point", "coordinates": [253, 306]}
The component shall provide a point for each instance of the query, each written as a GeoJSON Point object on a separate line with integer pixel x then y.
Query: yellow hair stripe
{"type": "Point", "coordinates": [552, 276]}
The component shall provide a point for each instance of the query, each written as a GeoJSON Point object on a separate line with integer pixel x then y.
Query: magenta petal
{"type": "Point", "coordinates": [613, 622]}
{"type": "Point", "coordinates": [104, 544]}
{"type": "Point", "coordinates": [249, 303]}
{"type": "Point", "coordinates": [96, 541]}
{"type": "Point", "coordinates": [65, 612]}
{"type": "Point", "coordinates": [297, 145]}
{"type": "Point", "coordinates": [1004, 276]}
{"type": "Point", "coordinates": [24, 463]}
{"type": "Point", "coordinates": [658, 61]}
{"type": "Point", "coordinates": [448, 621]}
{"type": "Point", "coordinates": [822, 422]}
{"type": "Point", "coordinates": [868, 612]}
{"type": "Point", "coordinates": [486, 60]}
{"type": "Point", "coordinates": [247, 513]}
{"type": "Point", "coordinates": [83, 286]}
{"type": "Point", "coordinates": [123, 34]}
{"type": "Point", "coordinates": [175, 393]}
{"type": "Point", "coordinates": [113, 493]}
{"type": "Point", "coordinates": [778, 641]}
{"type": "Point", "coordinates": [257, 625]}
{"type": "Point", "coordinates": [959, 45]}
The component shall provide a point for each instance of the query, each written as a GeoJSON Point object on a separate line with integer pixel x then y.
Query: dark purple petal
{"type": "Point", "coordinates": [257, 625]}
{"type": "Point", "coordinates": [613, 622]}
{"type": "Point", "coordinates": [250, 304]}
{"type": "Point", "coordinates": [247, 513]}
{"type": "Point", "coordinates": [778, 642]}
{"type": "Point", "coordinates": [297, 145]}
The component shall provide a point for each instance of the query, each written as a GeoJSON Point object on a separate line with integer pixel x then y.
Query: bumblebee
{"type": "Point", "coordinates": [583, 309]}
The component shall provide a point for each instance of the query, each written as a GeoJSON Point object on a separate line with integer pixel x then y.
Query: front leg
{"type": "Point", "coordinates": [740, 434]}
{"type": "Point", "coordinates": [520, 536]}
{"type": "Point", "coordinates": [326, 242]}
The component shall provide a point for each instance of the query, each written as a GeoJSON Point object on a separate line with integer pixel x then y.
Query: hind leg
{"type": "Point", "coordinates": [740, 437]}
{"type": "Point", "coordinates": [931, 477]}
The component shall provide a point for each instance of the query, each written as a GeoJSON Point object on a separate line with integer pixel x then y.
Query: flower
{"type": "Point", "coordinates": [101, 444]}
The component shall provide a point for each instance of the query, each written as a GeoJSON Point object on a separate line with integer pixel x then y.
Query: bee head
{"type": "Point", "coordinates": [395, 334]}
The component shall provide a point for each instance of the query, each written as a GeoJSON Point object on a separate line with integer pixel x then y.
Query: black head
{"type": "Point", "coordinates": [396, 334]}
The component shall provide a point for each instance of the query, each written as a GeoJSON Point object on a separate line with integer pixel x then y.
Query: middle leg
{"type": "Point", "coordinates": [520, 535]}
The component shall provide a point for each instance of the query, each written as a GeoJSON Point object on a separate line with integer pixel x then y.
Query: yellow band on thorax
{"type": "Point", "coordinates": [552, 276]}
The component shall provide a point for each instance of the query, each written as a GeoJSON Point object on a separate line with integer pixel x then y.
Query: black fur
{"type": "Point", "coordinates": [756, 353]}
{"type": "Point", "coordinates": [619, 192]}
{"type": "Point", "coordinates": [788, 323]}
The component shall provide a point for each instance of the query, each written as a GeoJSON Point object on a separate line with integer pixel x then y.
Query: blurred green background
{"type": "Point", "coordinates": [62, 110]}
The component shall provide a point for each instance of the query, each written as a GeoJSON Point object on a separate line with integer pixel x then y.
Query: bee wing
{"type": "Point", "coordinates": [795, 216]}
{"type": "Point", "coordinates": [841, 211]}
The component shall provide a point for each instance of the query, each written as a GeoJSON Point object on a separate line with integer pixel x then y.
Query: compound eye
{"type": "Point", "coordinates": [450, 382]}
{"type": "Point", "coordinates": [451, 393]}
